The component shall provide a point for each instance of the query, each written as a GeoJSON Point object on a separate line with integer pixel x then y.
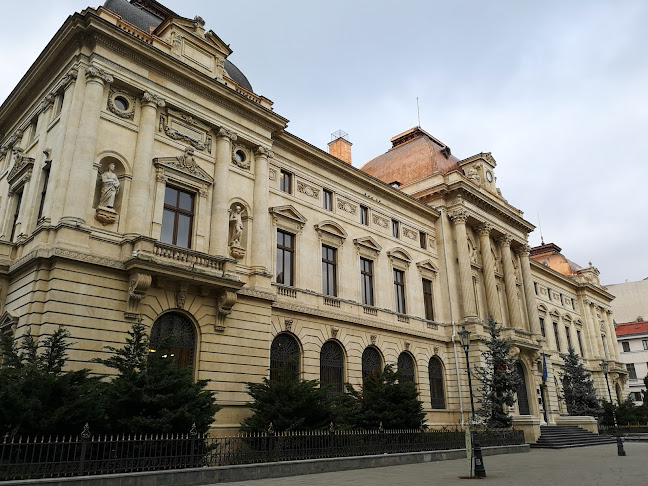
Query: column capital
{"type": "Point", "coordinates": [150, 99]}
{"type": "Point", "coordinates": [505, 240]}
{"type": "Point", "coordinates": [69, 77]}
{"type": "Point", "coordinates": [263, 152]}
{"type": "Point", "coordinates": [459, 216]}
{"type": "Point", "coordinates": [523, 250]}
{"type": "Point", "coordinates": [484, 229]}
{"type": "Point", "coordinates": [225, 133]}
{"type": "Point", "coordinates": [95, 73]}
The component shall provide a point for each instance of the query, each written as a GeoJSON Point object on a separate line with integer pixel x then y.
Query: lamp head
{"type": "Point", "coordinates": [604, 366]}
{"type": "Point", "coordinates": [464, 336]}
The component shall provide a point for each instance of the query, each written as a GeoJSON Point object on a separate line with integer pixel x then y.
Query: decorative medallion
{"type": "Point", "coordinates": [308, 190]}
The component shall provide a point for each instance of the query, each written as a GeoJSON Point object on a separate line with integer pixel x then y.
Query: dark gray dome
{"type": "Point", "coordinates": [144, 20]}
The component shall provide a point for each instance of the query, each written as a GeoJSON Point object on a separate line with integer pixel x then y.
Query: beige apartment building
{"type": "Point", "coordinates": [141, 177]}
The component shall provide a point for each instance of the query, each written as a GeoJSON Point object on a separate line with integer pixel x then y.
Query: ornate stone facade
{"type": "Point", "coordinates": [193, 229]}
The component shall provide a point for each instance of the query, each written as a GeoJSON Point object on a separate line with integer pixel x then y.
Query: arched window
{"type": "Point", "coordinates": [174, 334]}
{"type": "Point", "coordinates": [371, 362]}
{"type": "Point", "coordinates": [437, 393]}
{"type": "Point", "coordinates": [522, 397]}
{"type": "Point", "coordinates": [284, 352]}
{"type": "Point", "coordinates": [332, 366]}
{"type": "Point", "coordinates": [406, 367]}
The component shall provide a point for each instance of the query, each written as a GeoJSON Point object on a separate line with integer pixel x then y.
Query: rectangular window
{"type": "Point", "coordinates": [632, 373]}
{"type": "Point", "coordinates": [580, 342]}
{"type": "Point", "coordinates": [399, 291]}
{"type": "Point", "coordinates": [59, 104]}
{"type": "Point", "coordinates": [561, 299]}
{"type": "Point", "coordinates": [364, 215]}
{"type": "Point", "coordinates": [329, 271]}
{"type": "Point", "coordinates": [285, 258]}
{"type": "Point", "coordinates": [177, 218]}
{"type": "Point", "coordinates": [285, 181]}
{"type": "Point", "coordinates": [423, 240]}
{"type": "Point", "coordinates": [572, 304]}
{"type": "Point", "coordinates": [535, 287]}
{"type": "Point", "coordinates": [46, 174]}
{"type": "Point", "coordinates": [645, 343]}
{"type": "Point", "coordinates": [637, 396]}
{"type": "Point", "coordinates": [542, 327]}
{"type": "Point", "coordinates": [569, 343]}
{"type": "Point", "coordinates": [549, 293]}
{"type": "Point", "coordinates": [427, 299]}
{"type": "Point", "coordinates": [16, 214]}
{"type": "Point", "coordinates": [555, 326]}
{"type": "Point", "coordinates": [395, 228]}
{"type": "Point", "coordinates": [366, 275]}
{"type": "Point", "coordinates": [626, 346]}
{"type": "Point", "coordinates": [327, 200]}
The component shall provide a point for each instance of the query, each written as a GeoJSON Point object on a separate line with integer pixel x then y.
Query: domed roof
{"type": "Point", "coordinates": [549, 255]}
{"type": "Point", "coordinates": [141, 16]}
{"type": "Point", "coordinates": [414, 154]}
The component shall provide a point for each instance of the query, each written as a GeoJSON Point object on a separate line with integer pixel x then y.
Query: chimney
{"type": "Point", "coordinates": [340, 147]}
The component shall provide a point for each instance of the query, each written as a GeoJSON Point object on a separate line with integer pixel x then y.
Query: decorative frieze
{"type": "Point", "coordinates": [410, 233]}
{"type": "Point", "coordinates": [347, 206]}
{"type": "Point", "coordinates": [379, 220]}
{"type": "Point", "coordinates": [308, 190]}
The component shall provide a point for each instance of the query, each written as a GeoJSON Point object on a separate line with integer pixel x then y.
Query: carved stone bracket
{"type": "Point", "coordinates": [224, 303]}
{"type": "Point", "coordinates": [138, 284]}
{"type": "Point", "coordinates": [181, 295]}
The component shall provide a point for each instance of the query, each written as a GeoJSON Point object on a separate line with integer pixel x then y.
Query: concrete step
{"type": "Point", "coordinates": [569, 436]}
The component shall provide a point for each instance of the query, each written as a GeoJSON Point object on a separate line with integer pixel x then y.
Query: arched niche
{"type": "Point", "coordinates": [104, 169]}
{"type": "Point", "coordinates": [238, 229]}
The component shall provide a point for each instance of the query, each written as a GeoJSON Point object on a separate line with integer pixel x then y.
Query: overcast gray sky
{"type": "Point", "coordinates": [555, 90]}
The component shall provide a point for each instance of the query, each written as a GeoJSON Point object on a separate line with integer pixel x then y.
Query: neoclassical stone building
{"type": "Point", "coordinates": [142, 177]}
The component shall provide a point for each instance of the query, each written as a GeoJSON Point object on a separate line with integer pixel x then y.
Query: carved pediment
{"type": "Point", "coordinates": [332, 228]}
{"type": "Point", "coordinates": [7, 321]}
{"type": "Point", "coordinates": [484, 156]}
{"type": "Point", "coordinates": [399, 256]}
{"type": "Point", "coordinates": [427, 268]}
{"type": "Point", "coordinates": [184, 165]}
{"type": "Point", "coordinates": [367, 245]}
{"type": "Point", "coordinates": [287, 216]}
{"type": "Point", "coordinates": [21, 170]}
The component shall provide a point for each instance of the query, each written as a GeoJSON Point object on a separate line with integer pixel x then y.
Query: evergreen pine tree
{"type": "Point", "coordinates": [578, 388]}
{"type": "Point", "coordinates": [289, 403]}
{"type": "Point", "coordinates": [36, 396]}
{"type": "Point", "coordinates": [498, 378]}
{"type": "Point", "coordinates": [151, 394]}
{"type": "Point", "coordinates": [387, 400]}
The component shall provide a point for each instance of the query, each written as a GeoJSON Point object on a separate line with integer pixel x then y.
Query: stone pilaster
{"type": "Point", "coordinates": [529, 291]}
{"type": "Point", "coordinates": [509, 283]}
{"type": "Point", "coordinates": [596, 328]}
{"type": "Point", "coordinates": [459, 218]}
{"type": "Point", "coordinates": [488, 269]}
{"type": "Point", "coordinates": [610, 333]}
{"type": "Point", "coordinates": [219, 216]}
{"type": "Point", "coordinates": [261, 223]}
{"type": "Point", "coordinates": [140, 206]}
{"type": "Point", "coordinates": [81, 179]}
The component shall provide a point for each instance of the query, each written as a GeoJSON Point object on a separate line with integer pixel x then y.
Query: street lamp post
{"type": "Point", "coordinates": [480, 471]}
{"type": "Point", "coordinates": [620, 451]}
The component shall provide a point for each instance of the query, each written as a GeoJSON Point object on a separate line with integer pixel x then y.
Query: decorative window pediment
{"type": "Point", "coordinates": [399, 257]}
{"type": "Point", "coordinates": [7, 321]}
{"type": "Point", "coordinates": [542, 308]}
{"type": "Point", "coordinates": [331, 232]}
{"type": "Point", "coordinates": [427, 269]}
{"type": "Point", "coordinates": [21, 171]}
{"type": "Point", "coordinates": [367, 246]}
{"type": "Point", "coordinates": [578, 322]}
{"type": "Point", "coordinates": [287, 217]}
{"type": "Point", "coordinates": [567, 317]}
{"type": "Point", "coordinates": [183, 167]}
{"type": "Point", "coordinates": [554, 313]}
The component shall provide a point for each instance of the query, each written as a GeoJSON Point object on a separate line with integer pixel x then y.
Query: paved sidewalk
{"type": "Point", "coordinates": [591, 466]}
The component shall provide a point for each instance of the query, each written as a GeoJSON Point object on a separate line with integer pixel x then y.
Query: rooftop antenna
{"type": "Point", "coordinates": [540, 228]}
{"type": "Point", "coordinates": [418, 112]}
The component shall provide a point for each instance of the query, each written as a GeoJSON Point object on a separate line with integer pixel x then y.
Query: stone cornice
{"type": "Point", "coordinates": [577, 287]}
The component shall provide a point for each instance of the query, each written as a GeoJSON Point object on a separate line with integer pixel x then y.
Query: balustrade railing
{"type": "Point", "coordinates": [185, 255]}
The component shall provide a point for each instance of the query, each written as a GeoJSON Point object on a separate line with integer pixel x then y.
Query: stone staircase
{"type": "Point", "coordinates": [560, 437]}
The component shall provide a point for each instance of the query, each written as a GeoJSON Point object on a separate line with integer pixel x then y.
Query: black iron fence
{"type": "Point", "coordinates": [623, 429]}
{"type": "Point", "coordinates": [31, 458]}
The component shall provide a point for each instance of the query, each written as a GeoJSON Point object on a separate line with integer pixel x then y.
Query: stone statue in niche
{"type": "Point", "coordinates": [109, 187]}
{"type": "Point", "coordinates": [236, 232]}
{"type": "Point", "coordinates": [105, 212]}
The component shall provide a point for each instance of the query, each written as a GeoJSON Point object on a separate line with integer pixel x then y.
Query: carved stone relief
{"type": "Point", "coordinates": [139, 283]}
{"type": "Point", "coordinates": [410, 233]}
{"type": "Point", "coordinates": [185, 128]}
{"type": "Point", "coordinates": [241, 157]}
{"type": "Point", "coordinates": [181, 295]}
{"type": "Point", "coordinates": [272, 174]}
{"type": "Point", "coordinates": [347, 206]}
{"type": "Point", "coordinates": [121, 103]}
{"type": "Point", "coordinates": [224, 303]}
{"type": "Point", "coordinates": [308, 190]}
{"type": "Point", "coordinates": [379, 220]}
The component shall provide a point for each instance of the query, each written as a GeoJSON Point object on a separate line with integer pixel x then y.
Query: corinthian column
{"type": "Point", "coordinates": [261, 221]}
{"type": "Point", "coordinates": [529, 291]}
{"type": "Point", "coordinates": [613, 347]}
{"type": "Point", "coordinates": [219, 216]}
{"type": "Point", "coordinates": [459, 218]}
{"type": "Point", "coordinates": [597, 329]}
{"type": "Point", "coordinates": [139, 206]}
{"type": "Point", "coordinates": [81, 178]}
{"type": "Point", "coordinates": [509, 282]}
{"type": "Point", "coordinates": [489, 272]}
